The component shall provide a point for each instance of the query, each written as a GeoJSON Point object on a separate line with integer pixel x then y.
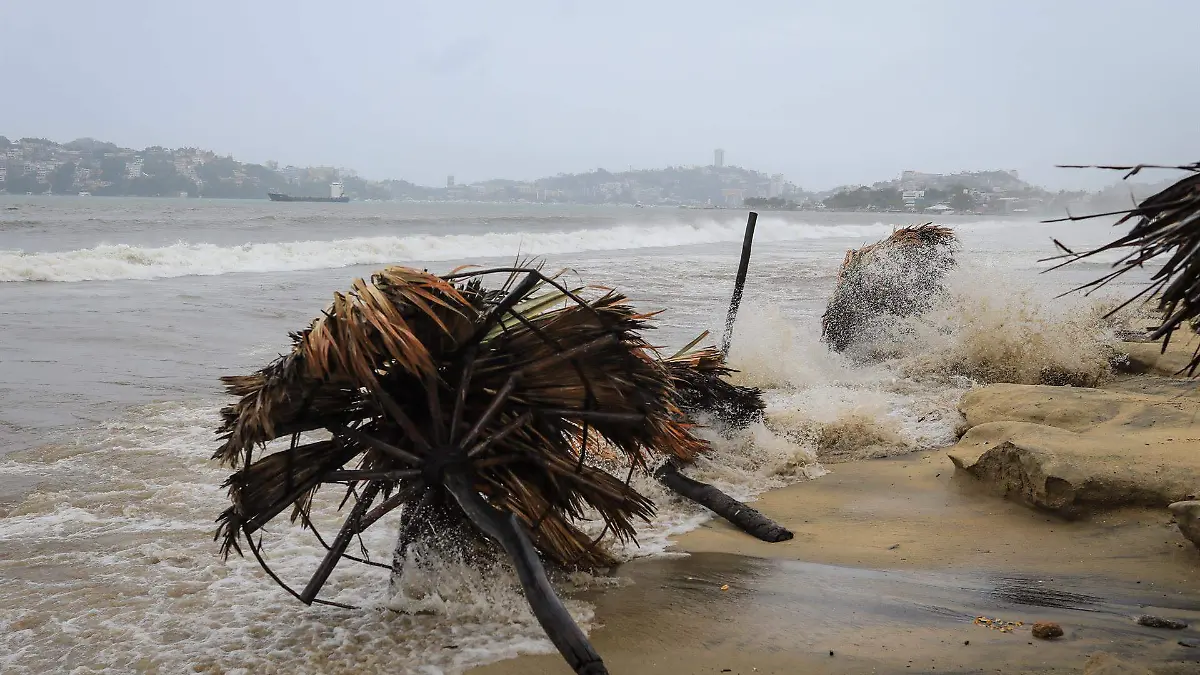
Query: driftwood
{"type": "Point", "coordinates": [702, 391]}
{"type": "Point", "coordinates": [460, 403]}
{"type": "Point", "coordinates": [747, 519]}
{"type": "Point", "coordinates": [897, 277]}
{"type": "Point", "coordinates": [1166, 224]}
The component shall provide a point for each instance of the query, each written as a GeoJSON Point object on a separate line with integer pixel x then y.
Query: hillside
{"type": "Point", "coordinates": [38, 165]}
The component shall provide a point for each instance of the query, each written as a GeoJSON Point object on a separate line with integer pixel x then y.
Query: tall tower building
{"type": "Point", "coordinates": [450, 181]}
{"type": "Point", "coordinates": [718, 158]}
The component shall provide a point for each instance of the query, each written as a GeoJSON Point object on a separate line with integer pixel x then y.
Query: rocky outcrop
{"type": "Point", "coordinates": [1187, 516]}
{"type": "Point", "coordinates": [1075, 450]}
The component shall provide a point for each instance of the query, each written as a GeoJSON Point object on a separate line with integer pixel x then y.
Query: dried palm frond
{"type": "Point", "coordinates": [1165, 224]}
{"type": "Point", "coordinates": [896, 277]}
{"type": "Point", "coordinates": [699, 377]}
{"type": "Point", "coordinates": [418, 377]}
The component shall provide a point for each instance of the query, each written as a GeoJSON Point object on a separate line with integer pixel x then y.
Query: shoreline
{"type": "Point", "coordinates": [892, 560]}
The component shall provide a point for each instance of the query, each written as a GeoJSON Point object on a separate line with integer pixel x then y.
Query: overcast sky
{"type": "Point", "coordinates": [825, 92]}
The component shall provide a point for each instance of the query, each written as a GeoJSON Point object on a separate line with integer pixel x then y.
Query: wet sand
{"type": "Point", "coordinates": [891, 562]}
{"type": "Point", "coordinates": [890, 565]}
{"type": "Point", "coordinates": [783, 616]}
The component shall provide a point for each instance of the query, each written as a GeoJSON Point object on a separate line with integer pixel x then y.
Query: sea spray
{"type": "Point", "coordinates": [1009, 332]}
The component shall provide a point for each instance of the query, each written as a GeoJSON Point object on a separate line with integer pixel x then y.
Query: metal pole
{"type": "Point", "coordinates": [739, 283]}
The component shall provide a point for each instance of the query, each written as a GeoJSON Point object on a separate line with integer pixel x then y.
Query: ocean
{"type": "Point", "coordinates": [119, 315]}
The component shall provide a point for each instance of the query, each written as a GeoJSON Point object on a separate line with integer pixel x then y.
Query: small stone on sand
{"type": "Point", "coordinates": [1047, 630]}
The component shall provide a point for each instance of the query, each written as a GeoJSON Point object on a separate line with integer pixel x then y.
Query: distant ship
{"type": "Point", "coordinates": [335, 195]}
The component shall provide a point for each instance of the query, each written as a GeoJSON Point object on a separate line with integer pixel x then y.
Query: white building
{"type": "Point", "coordinates": [910, 197]}
{"type": "Point", "coordinates": [775, 189]}
{"type": "Point", "coordinates": [134, 169]}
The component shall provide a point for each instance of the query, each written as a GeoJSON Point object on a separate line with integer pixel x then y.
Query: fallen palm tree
{"type": "Point", "coordinates": [897, 277]}
{"type": "Point", "coordinates": [473, 404]}
{"type": "Point", "coordinates": [475, 411]}
{"type": "Point", "coordinates": [1165, 224]}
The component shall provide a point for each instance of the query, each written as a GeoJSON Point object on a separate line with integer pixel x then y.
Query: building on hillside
{"type": "Point", "coordinates": [733, 196]}
{"type": "Point", "coordinates": [719, 158]}
{"type": "Point", "coordinates": [775, 188]}
{"type": "Point", "coordinates": [134, 169]}
{"type": "Point", "coordinates": [911, 197]}
{"type": "Point", "coordinates": [3, 173]}
{"type": "Point", "coordinates": [450, 181]}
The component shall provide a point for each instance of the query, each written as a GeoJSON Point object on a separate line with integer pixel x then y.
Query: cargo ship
{"type": "Point", "coordinates": [335, 195]}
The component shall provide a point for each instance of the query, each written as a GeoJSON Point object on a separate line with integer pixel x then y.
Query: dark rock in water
{"type": "Point", "coordinates": [1047, 630]}
{"type": "Point", "coordinates": [1161, 622]}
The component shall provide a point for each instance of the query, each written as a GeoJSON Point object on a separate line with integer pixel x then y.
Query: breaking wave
{"type": "Point", "coordinates": [107, 262]}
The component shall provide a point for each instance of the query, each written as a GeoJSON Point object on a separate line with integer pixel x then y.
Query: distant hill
{"type": "Point", "coordinates": [38, 165]}
{"type": "Point", "coordinates": [996, 192]}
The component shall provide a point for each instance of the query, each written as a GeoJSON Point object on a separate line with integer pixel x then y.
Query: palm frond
{"type": "Point", "coordinates": [1166, 224]}
{"type": "Point", "coordinates": [896, 277]}
{"type": "Point", "coordinates": [418, 377]}
{"type": "Point", "coordinates": [701, 386]}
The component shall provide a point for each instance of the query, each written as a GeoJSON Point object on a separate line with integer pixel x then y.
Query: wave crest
{"type": "Point", "coordinates": [108, 262]}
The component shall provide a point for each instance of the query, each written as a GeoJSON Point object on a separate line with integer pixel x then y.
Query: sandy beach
{"type": "Point", "coordinates": [894, 559]}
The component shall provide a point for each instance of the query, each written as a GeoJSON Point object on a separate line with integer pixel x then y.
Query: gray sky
{"type": "Point", "coordinates": [826, 93]}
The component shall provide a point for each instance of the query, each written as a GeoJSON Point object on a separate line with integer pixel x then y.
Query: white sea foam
{"type": "Point", "coordinates": [110, 566]}
{"type": "Point", "coordinates": [124, 261]}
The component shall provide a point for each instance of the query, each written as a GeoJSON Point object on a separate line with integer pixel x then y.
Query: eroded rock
{"type": "Point", "coordinates": [1187, 516]}
{"type": "Point", "coordinates": [1074, 450]}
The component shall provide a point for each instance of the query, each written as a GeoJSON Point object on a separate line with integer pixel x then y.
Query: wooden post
{"type": "Point", "coordinates": [747, 519]}
{"type": "Point", "coordinates": [739, 283]}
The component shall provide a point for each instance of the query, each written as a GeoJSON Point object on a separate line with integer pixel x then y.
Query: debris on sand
{"type": "Point", "coordinates": [1151, 621]}
{"type": "Point", "coordinates": [1047, 630]}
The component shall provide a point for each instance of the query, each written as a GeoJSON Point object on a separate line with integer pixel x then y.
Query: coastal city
{"type": "Point", "coordinates": [87, 167]}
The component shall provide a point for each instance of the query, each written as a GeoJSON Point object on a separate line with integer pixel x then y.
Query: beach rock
{"type": "Point", "coordinates": [1151, 621]}
{"type": "Point", "coordinates": [1075, 450]}
{"type": "Point", "coordinates": [1107, 664]}
{"type": "Point", "coordinates": [1047, 630]}
{"type": "Point", "coordinates": [1187, 516]}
